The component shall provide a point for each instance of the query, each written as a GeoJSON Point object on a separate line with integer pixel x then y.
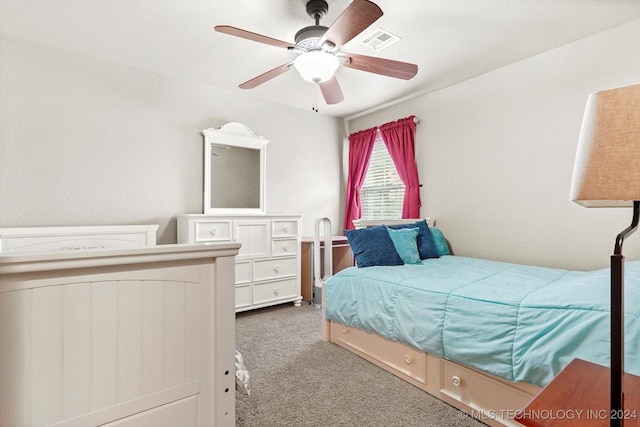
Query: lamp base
{"type": "Point", "coordinates": [617, 321]}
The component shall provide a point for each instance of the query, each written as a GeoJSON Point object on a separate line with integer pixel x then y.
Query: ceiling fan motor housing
{"type": "Point", "coordinates": [308, 37]}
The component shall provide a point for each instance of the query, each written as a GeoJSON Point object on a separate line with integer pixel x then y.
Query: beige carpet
{"type": "Point", "coordinates": [299, 380]}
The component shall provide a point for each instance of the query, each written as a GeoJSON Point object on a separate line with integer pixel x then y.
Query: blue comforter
{"type": "Point", "coordinates": [518, 322]}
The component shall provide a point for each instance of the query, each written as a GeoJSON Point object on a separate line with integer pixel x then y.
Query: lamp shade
{"type": "Point", "coordinates": [607, 166]}
{"type": "Point", "coordinates": [316, 66]}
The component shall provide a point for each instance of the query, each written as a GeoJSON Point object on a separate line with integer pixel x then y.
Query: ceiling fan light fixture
{"type": "Point", "coordinates": [316, 66]}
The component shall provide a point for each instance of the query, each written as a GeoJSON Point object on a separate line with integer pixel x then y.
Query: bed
{"type": "Point", "coordinates": [489, 334]}
{"type": "Point", "coordinates": [100, 327]}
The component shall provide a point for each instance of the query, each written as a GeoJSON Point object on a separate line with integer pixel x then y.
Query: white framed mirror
{"type": "Point", "coordinates": [234, 170]}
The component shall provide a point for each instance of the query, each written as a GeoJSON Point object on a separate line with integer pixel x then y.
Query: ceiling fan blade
{"type": "Point", "coordinates": [386, 67]}
{"type": "Point", "coordinates": [264, 77]}
{"type": "Point", "coordinates": [233, 31]}
{"type": "Point", "coordinates": [353, 20]}
{"type": "Point", "coordinates": [331, 91]}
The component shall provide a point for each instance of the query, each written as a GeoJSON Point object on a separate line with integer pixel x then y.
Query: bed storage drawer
{"type": "Point", "coordinates": [401, 358]}
{"type": "Point", "coordinates": [497, 398]}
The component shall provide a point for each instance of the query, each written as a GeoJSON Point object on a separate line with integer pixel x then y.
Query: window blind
{"type": "Point", "coordinates": [382, 193]}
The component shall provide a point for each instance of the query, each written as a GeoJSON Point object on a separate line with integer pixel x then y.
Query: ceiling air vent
{"type": "Point", "coordinates": [379, 39]}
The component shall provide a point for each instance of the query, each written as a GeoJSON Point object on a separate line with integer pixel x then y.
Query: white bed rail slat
{"type": "Point", "coordinates": [104, 345]}
{"type": "Point", "coordinates": [14, 331]}
{"type": "Point", "coordinates": [174, 325]}
{"type": "Point", "coordinates": [46, 353]}
{"type": "Point", "coordinates": [129, 355]}
{"type": "Point", "coordinates": [76, 349]}
{"type": "Point", "coordinates": [192, 322]}
{"type": "Point", "coordinates": [152, 343]}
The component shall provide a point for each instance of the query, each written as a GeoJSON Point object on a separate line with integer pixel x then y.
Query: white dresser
{"type": "Point", "coordinates": [268, 263]}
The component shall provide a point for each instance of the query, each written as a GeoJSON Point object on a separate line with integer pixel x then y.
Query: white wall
{"type": "Point", "coordinates": [496, 155]}
{"type": "Point", "coordinates": [87, 142]}
{"type": "Point", "coordinates": [84, 142]}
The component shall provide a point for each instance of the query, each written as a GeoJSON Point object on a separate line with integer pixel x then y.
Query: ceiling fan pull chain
{"type": "Point", "coordinates": [314, 105]}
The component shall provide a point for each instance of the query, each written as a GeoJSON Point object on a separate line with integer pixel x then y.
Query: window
{"type": "Point", "coordinates": [382, 193]}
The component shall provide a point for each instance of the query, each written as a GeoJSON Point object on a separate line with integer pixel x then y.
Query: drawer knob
{"type": "Point", "coordinates": [276, 291]}
{"type": "Point", "coordinates": [285, 229]}
{"type": "Point", "coordinates": [285, 248]}
{"type": "Point", "coordinates": [408, 359]}
{"type": "Point", "coordinates": [212, 232]}
{"type": "Point", "coordinates": [276, 269]}
{"type": "Point", "coordinates": [456, 381]}
{"type": "Point", "coordinates": [344, 331]}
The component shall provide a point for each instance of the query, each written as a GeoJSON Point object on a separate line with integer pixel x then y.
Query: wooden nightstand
{"type": "Point", "coordinates": [342, 258]}
{"type": "Point", "coordinates": [579, 397]}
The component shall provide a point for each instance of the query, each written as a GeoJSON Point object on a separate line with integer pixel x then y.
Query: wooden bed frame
{"type": "Point", "coordinates": [488, 398]}
{"type": "Point", "coordinates": [99, 330]}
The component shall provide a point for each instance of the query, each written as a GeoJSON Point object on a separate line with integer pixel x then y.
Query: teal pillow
{"type": "Point", "coordinates": [441, 243]}
{"type": "Point", "coordinates": [426, 245]}
{"type": "Point", "coordinates": [405, 242]}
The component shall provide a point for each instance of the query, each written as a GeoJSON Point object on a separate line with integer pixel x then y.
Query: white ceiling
{"type": "Point", "coordinates": [449, 40]}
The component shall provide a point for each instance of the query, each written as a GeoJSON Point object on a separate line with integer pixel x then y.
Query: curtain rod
{"type": "Point", "coordinates": [416, 120]}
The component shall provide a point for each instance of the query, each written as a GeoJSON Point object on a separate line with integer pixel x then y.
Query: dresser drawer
{"type": "Point", "coordinates": [213, 231]}
{"type": "Point", "coordinates": [271, 291]}
{"type": "Point", "coordinates": [284, 228]}
{"type": "Point", "coordinates": [266, 269]}
{"type": "Point", "coordinates": [243, 272]}
{"type": "Point", "coordinates": [284, 247]}
{"type": "Point", "coordinates": [243, 295]}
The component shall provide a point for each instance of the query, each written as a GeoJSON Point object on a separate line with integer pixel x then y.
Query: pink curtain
{"type": "Point", "coordinates": [360, 148]}
{"type": "Point", "coordinates": [399, 138]}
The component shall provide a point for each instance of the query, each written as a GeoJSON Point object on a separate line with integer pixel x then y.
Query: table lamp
{"type": "Point", "coordinates": [607, 174]}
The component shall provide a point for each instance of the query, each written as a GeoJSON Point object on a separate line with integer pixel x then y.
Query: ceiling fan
{"type": "Point", "coordinates": [318, 49]}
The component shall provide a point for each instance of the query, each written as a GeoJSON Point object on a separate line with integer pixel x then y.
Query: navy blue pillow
{"type": "Point", "coordinates": [426, 244]}
{"type": "Point", "coordinates": [373, 246]}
